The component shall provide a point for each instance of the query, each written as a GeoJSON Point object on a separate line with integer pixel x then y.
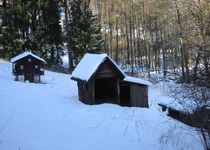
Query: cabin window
{"type": "Point", "coordinates": [21, 67]}
{"type": "Point", "coordinates": [36, 66]}
{"type": "Point", "coordinates": [29, 60]}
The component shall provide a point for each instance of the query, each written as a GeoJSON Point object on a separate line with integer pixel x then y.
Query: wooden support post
{"type": "Point", "coordinates": [118, 91]}
{"type": "Point", "coordinates": [93, 92]}
{"type": "Point", "coordinates": [16, 78]}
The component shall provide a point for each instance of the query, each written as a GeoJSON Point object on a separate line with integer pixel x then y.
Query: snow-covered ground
{"type": "Point", "coordinates": [48, 116]}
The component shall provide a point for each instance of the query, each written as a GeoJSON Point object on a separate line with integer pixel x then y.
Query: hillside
{"type": "Point", "coordinates": [48, 116]}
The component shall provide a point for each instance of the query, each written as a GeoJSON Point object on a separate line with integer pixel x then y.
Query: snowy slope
{"type": "Point", "coordinates": [48, 116]}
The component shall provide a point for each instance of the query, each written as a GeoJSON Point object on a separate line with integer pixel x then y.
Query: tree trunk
{"type": "Point", "coordinates": [131, 41]}
{"type": "Point", "coordinates": [127, 42]}
{"type": "Point", "coordinates": [68, 37]}
{"type": "Point", "coordinates": [197, 60]}
{"type": "Point", "coordinates": [117, 44]}
{"type": "Point", "coordinates": [180, 39]}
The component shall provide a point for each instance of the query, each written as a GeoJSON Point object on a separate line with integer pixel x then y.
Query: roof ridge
{"type": "Point", "coordinates": [24, 54]}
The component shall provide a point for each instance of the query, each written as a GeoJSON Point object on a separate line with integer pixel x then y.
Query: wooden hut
{"type": "Point", "coordinates": [100, 80]}
{"type": "Point", "coordinates": [27, 67]}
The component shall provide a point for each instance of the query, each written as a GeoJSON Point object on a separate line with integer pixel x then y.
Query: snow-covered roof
{"type": "Point", "coordinates": [27, 53]}
{"type": "Point", "coordinates": [136, 80]}
{"type": "Point", "coordinates": [89, 65]}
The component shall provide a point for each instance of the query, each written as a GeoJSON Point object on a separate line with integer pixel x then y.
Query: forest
{"type": "Point", "coordinates": [161, 36]}
{"type": "Point", "coordinates": [167, 36]}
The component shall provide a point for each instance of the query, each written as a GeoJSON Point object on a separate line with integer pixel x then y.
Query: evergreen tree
{"type": "Point", "coordinates": [9, 37]}
{"type": "Point", "coordinates": [31, 24]}
{"type": "Point", "coordinates": [87, 31]}
{"type": "Point", "coordinates": [84, 29]}
{"type": "Point", "coordinates": [52, 34]}
{"type": "Point", "coordinates": [74, 16]}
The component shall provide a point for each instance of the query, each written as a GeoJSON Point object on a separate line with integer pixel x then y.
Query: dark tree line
{"type": "Point", "coordinates": [36, 25]}
{"type": "Point", "coordinates": [31, 25]}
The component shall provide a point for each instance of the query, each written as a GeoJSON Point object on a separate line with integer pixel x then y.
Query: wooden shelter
{"type": "Point", "coordinates": [134, 92]}
{"type": "Point", "coordinates": [27, 67]}
{"type": "Point", "coordinates": [100, 80]}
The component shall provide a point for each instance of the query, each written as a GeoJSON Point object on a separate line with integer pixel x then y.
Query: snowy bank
{"type": "Point", "coordinates": [48, 116]}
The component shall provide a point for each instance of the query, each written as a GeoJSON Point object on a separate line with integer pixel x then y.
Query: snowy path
{"type": "Point", "coordinates": [48, 116]}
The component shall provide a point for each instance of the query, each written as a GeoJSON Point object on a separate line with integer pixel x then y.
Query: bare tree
{"type": "Point", "coordinates": [195, 104]}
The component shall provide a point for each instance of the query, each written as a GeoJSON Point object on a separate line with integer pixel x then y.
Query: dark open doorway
{"type": "Point", "coordinates": [29, 71]}
{"type": "Point", "coordinates": [106, 90]}
{"type": "Point", "coordinates": [125, 94]}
